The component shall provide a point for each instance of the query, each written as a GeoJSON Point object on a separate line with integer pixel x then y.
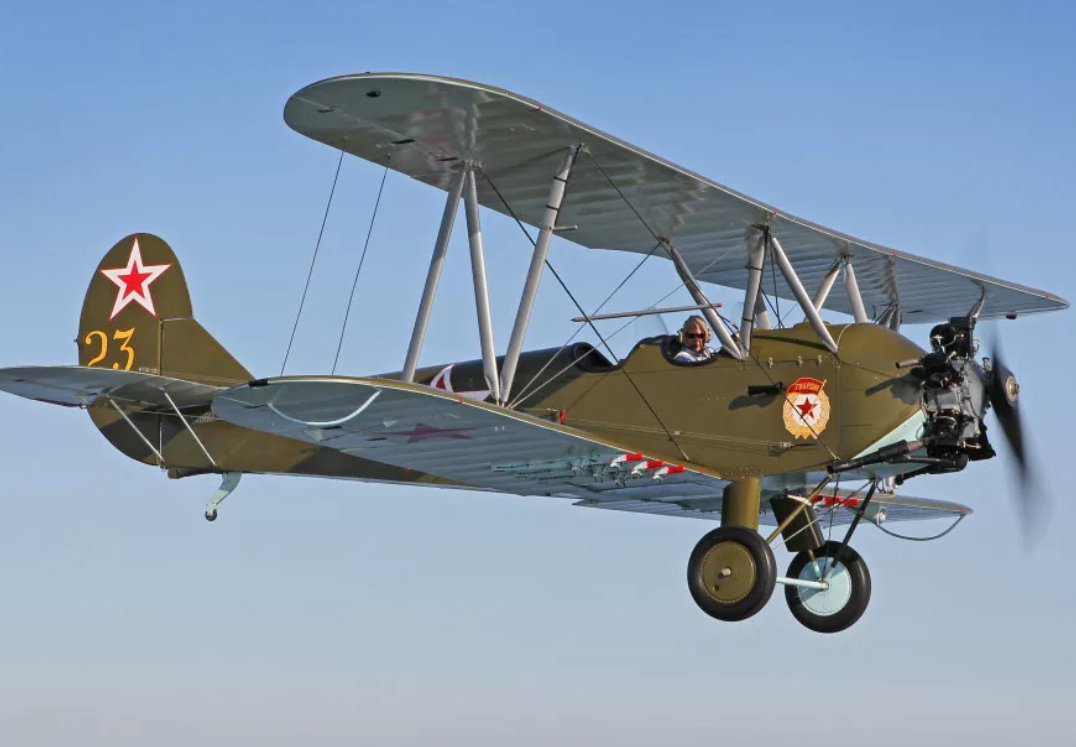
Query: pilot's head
{"type": "Point", "coordinates": [695, 334]}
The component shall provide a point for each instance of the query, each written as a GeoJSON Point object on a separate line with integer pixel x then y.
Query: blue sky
{"type": "Point", "coordinates": [343, 613]}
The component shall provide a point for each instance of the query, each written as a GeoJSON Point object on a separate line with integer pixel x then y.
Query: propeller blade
{"type": "Point", "coordinates": [1003, 391]}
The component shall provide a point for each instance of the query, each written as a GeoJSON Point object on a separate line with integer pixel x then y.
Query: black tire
{"type": "Point", "coordinates": [843, 611]}
{"type": "Point", "coordinates": [752, 573]}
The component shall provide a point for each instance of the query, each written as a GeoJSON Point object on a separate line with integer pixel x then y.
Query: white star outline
{"type": "Point", "coordinates": [141, 296]}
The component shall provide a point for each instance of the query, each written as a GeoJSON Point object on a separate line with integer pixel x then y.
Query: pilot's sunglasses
{"type": "Point", "coordinates": [693, 335]}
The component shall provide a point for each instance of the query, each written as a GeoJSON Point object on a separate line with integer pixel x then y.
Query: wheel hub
{"type": "Point", "coordinates": [728, 572]}
{"type": "Point", "coordinates": [833, 599]}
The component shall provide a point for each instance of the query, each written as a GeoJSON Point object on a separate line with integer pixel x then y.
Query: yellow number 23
{"type": "Point", "coordinates": [122, 335]}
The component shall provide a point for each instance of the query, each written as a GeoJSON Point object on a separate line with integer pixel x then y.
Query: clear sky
{"type": "Point", "coordinates": [334, 613]}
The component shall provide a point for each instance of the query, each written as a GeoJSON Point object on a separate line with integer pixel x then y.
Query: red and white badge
{"type": "Point", "coordinates": [806, 411]}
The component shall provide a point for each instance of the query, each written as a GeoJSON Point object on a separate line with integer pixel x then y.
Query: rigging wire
{"type": "Point", "coordinates": [527, 392]}
{"type": "Point", "coordinates": [662, 241]}
{"type": "Point", "coordinates": [773, 272]}
{"type": "Point", "coordinates": [313, 260]}
{"type": "Point", "coordinates": [582, 326]}
{"type": "Point", "coordinates": [579, 306]}
{"type": "Point", "coordinates": [769, 304]}
{"type": "Point", "coordinates": [362, 258]}
{"type": "Point", "coordinates": [624, 197]}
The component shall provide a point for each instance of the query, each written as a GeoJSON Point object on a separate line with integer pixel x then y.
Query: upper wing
{"type": "Point", "coordinates": [429, 124]}
{"type": "Point", "coordinates": [81, 386]}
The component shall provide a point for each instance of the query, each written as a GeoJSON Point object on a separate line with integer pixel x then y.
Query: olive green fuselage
{"type": "Point", "coordinates": [700, 414]}
{"type": "Point", "coordinates": [704, 412]}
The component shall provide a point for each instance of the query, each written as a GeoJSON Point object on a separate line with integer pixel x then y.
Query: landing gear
{"type": "Point", "coordinates": [845, 596]}
{"type": "Point", "coordinates": [731, 573]}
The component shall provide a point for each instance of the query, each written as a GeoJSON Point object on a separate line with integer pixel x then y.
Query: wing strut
{"type": "Point", "coordinates": [762, 316]}
{"type": "Point", "coordinates": [140, 434]}
{"type": "Point", "coordinates": [891, 318]}
{"type": "Point", "coordinates": [827, 284]}
{"type": "Point", "coordinates": [755, 263]}
{"type": "Point", "coordinates": [801, 295]}
{"type": "Point", "coordinates": [481, 290]}
{"type": "Point", "coordinates": [693, 288]}
{"type": "Point", "coordinates": [534, 273]}
{"type": "Point", "coordinates": [190, 430]}
{"type": "Point", "coordinates": [433, 278]}
{"type": "Point", "coordinates": [854, 296]}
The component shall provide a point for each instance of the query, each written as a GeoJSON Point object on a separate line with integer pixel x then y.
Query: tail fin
{"type": "Point", "coordinates": [137, 316]}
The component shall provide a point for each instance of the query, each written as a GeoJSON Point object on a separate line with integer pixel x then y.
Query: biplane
{"type": "Point", "coordinates": [797, 428]}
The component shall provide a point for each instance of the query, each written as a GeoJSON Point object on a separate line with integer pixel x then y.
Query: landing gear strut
{"type": "Point", "coordinates": [732, 571]}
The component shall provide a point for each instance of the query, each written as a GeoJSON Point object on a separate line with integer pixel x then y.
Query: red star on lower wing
{"type": "Point", "coordinates": [421, 432]}
{"type": "Point", "coordinates": [806, 407]}
{"type": "Point", "coordinates": [134, 281]}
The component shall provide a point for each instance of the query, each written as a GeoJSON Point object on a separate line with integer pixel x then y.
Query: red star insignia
{"type": "Point", "coordinates": [421, 432]}
{"type": "Point", "coordinates": [806, 407]}
{"type": "Point", "coordinates": [134, 281]}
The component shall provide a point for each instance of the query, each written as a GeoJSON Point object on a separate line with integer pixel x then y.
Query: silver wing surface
{"type": "Point", "coordinates": [430, 125]}
{"type": "Point", "coordinates": [474, 443]}
{"type": "Point", "coordinates": [81, 386]}
{"type": "Point", "coordinates": [831, 508]}
{"type": "Point", "coordinates": [441, 433]}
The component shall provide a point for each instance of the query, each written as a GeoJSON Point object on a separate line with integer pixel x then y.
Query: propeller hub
{"type": "Point", "coordinates": [1011, 388]}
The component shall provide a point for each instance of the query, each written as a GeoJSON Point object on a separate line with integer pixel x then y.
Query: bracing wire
{"type": "Point", "coordinates": [579, 306]}
{"type": "Point", "coordinates": [358, 270]}
{"type": "Point", "coordinates": [665, 243]}
{"type": "Point", "coordinates": [526, 390]}
{"type": "Point", "coordinates": [313, 260]}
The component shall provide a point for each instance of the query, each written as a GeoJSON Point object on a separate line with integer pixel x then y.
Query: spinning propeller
{"type": "Point", "coordinates": [1003, 392]}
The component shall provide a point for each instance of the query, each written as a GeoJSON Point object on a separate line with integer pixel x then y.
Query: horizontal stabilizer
{"type": "Point", "coordinates": [81, 386]}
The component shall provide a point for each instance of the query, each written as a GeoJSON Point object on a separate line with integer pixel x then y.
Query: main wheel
{"type": "Point", "coordinates": [838, 607]}
{"type": "Point", "coordinates": [731, 573]}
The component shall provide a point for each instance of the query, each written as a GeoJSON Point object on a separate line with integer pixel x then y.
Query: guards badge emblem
{"type": "Point", "coordinates": [806, 410]}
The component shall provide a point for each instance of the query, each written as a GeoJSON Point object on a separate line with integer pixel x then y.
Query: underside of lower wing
{"type": "Point", "coordinates": [830, 508]}
{"type": "Point", "coordinates": [490, 448]}
{"type": "Point", "coordinates": [480, 445]}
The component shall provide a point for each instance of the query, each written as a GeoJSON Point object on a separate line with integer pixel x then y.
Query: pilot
{"type": "Point", "coordinates": [693, 338]}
